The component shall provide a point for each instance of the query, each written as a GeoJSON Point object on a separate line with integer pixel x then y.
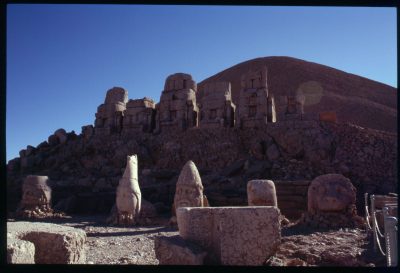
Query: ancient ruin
{"type": "Point", "coordinates": [36, 198]}
{"type": "Point", "coordinates": [177, 108]}
{"type": "Point", "coordinates": [256, 106]}
{"type": "Point", "coordinates": [139, 116]}
{"type": "Point", "coordinates": [331, 203]}
{"type": "Point", "coordinates": [109, 116]}
{"type": "Point", "coordinates": [217, 108]}
{"type": "Point", "coordinates": [236, 130]}
{"type": "Point", "coordinates": [128, 195]}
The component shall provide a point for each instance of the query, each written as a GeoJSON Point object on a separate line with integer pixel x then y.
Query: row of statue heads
{"type": "Point", "coordinates": [330, 193]}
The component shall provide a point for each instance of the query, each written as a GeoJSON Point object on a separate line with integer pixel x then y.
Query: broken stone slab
{"type": "Point", "coordinates": [232, 235]}
{"type": "Point", "coordinates": [174, 250]}
{"type": "Point", "coordinates": [54, 244]}
{"type": "Point", "coordinates": [20, 252]}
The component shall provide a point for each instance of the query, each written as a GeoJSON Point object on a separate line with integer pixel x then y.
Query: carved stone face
{"type": "Point", "coordinates": [189, 189]}
{"type": "Point", "coordinates": [330, 193]}
{"type": "Point", "coordinates": [35, 191]}
{"type": "Point", "coordinates": [188, 196]}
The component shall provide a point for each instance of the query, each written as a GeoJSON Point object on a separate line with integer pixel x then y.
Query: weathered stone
{"type": "Point", "coordinates": [256, 107]}
{"type": "Point", "coordinates": [36, 196]}
{"type": "Point", "coordinates": [177, 108]}
{"type": "Point", "coordinates": [174, 250]}
{"type": "Point", "coordinates": [232, 235]}
{"type": "Point", "coordinates": [217, 109]}
{"type": "Point", "coordinates": [331, 203]}
{"type": "Point", "coordinates": [189, 189]}
{"type": "Point", "coordinates": [261, 193]}
{"type": "Point", "coordinates": [139, 115]}
{"type": "Point", "coordinates": [109, 116]}
{"type": "Point", "coordinates": [128, 195]}
{"type": "Point", "coordinates": [330, 192]}
{"type": "Point", "coordinates": [54, 244]}
{"type": "Point", "coordinates": [20, 252]}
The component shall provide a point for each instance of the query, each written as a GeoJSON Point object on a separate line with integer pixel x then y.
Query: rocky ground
{"type": "Point", "coordinates": [300, 247]}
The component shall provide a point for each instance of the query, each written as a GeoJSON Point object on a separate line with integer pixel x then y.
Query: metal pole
{"type": "Point", "coordinates": [373, 220]}
{"type": "Point", "coordinates": [390, 238]}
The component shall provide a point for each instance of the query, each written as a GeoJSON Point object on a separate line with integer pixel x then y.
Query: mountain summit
{"type": "Point", "coordinates": [355, 99]}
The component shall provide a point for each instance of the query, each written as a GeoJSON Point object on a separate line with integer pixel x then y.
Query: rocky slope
{"type": "Point", "coordinates": [356, 99]}
{"type": "Point", "coordinates": [87, 171]}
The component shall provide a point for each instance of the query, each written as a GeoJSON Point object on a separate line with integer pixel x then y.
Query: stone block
{"type": "Point", "coordinates": [232, 235]}
{"type": "Point", "coordinates": [176, 251]}
{"type": "Point", "coordinates": [261, 193]}
{"type": "Point", "coordinates": [20, 252]}
{"type": "Point", "coordinates": [54, 244]}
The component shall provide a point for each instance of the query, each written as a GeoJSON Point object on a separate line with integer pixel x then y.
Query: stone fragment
{"type": "Point", "coordinates": [331, 203]}
{"type": "Point", "coordinates": [36, 196]}
{"type": "Point", "coordinates": [189, 189]}
{"type": "Point", "coordinates": [232, 235]}
{"type": "Point", "coordinates": [20, 252]}
{"type": "Point", "coordinates": [54, 244]}
{"type": "Point", "coordinates": [173, 250]}
{"type": "Point", "coordinates": [330, 192]}
{"type": "Point", "coordinates": [261, 193]}
{"type": "Point", "coordinates": [128, 195]}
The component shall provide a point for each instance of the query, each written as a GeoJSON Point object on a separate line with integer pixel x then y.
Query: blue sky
{"type": "Point", "coordinates": [61, 59]}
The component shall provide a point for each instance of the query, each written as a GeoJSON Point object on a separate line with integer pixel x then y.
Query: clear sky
{"type": "Point", "coordinates": [61, 59]}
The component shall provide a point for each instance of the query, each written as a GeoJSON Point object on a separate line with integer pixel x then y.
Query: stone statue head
{"type": "Point", "coordinates": [189, 189]}
{"type": "Point", "coordinates": [330, 193]}
{"type": "Point", "coordinates": [35, 191]}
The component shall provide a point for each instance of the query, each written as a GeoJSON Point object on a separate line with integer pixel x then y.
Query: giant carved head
{"type": "Point", "coordinates": [330, 193]}
{"type": "Point", "coordinates": [35, 191]}
{"type": "Point", "coordinates": [189, 189]}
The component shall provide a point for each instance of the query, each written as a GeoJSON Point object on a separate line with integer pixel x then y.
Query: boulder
{"type": "Point", "coordinates": [54, 244]}
{"type": "Point", "coordinates": [173, 250]}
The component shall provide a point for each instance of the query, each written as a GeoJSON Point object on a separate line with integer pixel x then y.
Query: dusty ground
{"type": "Point", "coordinates": [135, 245]}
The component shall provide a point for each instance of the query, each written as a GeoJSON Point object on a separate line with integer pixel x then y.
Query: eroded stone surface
{"type": "Point", "coordinates": [36, 198]}
{"type": "Point", "coordinates": [261, 193]}
{"type": "Point", "coordinates": [173, 250]}
{"type": "Point", "coordinates": [54, 244]}
{"type": "Point", "coordinates": [128, 195]}
{"type": "Point", "coordinates": [189, 189]}
{"type": "Point", "coordinates": [178, 108]}
{"type": "Point", "coordinates": [20, 252]}
{"type": "Point", "coordinates": [331, 203]}
{"type": "Point", "coordinates": [232, 235]}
